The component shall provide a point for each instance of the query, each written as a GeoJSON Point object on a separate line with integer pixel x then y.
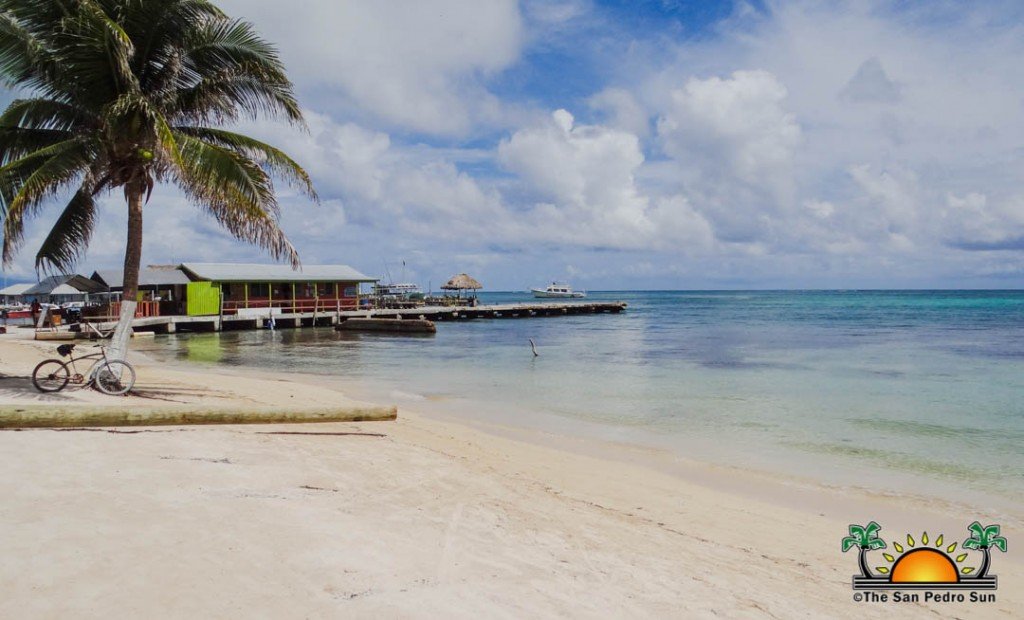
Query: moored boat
{"type": "Point", "coordinates": [557, 290]}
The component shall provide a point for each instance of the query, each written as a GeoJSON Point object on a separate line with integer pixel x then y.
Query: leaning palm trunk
{"type": "Point", "coordinates": [862, 560]}
{"type": "Point", "coordinates": [125, 94]}
{"type": "Point", "coordinates": [130, 282]}
{"type": "Point", "coordinates": [123, 332]}
{"type": "Point", "coordinates": [985, 562]}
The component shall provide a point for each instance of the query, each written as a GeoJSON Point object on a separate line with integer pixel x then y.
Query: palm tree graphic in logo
{"type": "Point", "coordinates": [866, 538]}
{"type": "Point", "coordinates": [983, 539]}
{"type": "Point", "coordinates": [923, 564]}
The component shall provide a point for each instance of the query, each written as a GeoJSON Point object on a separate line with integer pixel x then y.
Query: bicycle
{"type": "Point", "coordinates": [113, 377]}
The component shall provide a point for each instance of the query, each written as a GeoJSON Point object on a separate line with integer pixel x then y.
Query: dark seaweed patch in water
{"type": "Point", "coordinates": [899, 461]}
{"type": "Point", "coordinates": [930, 429]}
{"type": "Point", "coordinates": [746, 365]}
{"type": "Point", "coordinates": [888, 374]}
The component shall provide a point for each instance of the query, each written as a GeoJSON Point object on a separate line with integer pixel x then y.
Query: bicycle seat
{"type": "Point", "coordinates": [65, 349]}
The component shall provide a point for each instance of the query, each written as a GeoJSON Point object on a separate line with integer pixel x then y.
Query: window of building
{"type": "Point", "coordinates": [281, 290]}
{"type": "Point", "coordinates": [259, 290]}
{"type": "Point", "coordinates": [233, 292]}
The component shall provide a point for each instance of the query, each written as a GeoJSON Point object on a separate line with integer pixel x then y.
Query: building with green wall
{"type": "Point", "coordinates": [236, 288]}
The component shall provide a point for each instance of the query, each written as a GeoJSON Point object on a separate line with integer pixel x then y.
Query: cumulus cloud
{"type": "Point", "coordinates": [582, 178]}
{"type": "Point", "coordinates": [414, 65]}
{"type": "Point", "coordinates": [622, 110]}
{"type": "Point", "coordinates": [733, 144]}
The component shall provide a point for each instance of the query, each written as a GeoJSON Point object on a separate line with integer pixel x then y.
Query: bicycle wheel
{"type": "Point", "coordinates": [115, 377]}
{"type": "Point", "coordinates": [50, 376]}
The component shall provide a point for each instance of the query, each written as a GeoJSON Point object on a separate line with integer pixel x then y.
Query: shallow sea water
{"type": "Point", "coordinates": [921, 387]}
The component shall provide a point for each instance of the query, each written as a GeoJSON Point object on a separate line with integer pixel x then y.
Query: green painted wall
{"type": "Point", "coordinates": [203, 298]}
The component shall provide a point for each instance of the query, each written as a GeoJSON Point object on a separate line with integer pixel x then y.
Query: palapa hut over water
{"type": "Point", "coordinates": [461, 282]}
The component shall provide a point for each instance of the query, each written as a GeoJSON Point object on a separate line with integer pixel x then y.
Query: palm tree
{"type": "Point", "coordinates": [983, 538]}
{"type": "Point", "coordinates": [866, 538]}
{"type": "Point", "coordinates": [126, 94]}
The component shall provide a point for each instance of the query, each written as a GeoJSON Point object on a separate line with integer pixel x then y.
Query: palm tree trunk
{"type": "Point", "coordinates": [863, 561]}
{"type": "Point", "coordinates": [983, 571]}
{"type": "Point", "coordinates": [130, 284]}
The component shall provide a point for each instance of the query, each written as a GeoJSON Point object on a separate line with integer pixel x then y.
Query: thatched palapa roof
{"type": "Point", "coordinates": [461, 282]}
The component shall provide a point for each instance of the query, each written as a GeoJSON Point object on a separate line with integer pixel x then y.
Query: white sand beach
{"type": "Point", "coordinates": [422, 517]}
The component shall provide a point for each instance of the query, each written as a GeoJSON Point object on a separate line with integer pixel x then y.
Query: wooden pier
{"type": "Point", "coordinates": [172, 324]}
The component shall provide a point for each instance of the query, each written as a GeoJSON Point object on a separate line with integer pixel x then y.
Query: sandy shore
{"type": "Point", "coordinates": [422, 517]}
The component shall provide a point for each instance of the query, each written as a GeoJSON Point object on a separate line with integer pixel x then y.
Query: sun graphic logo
{"type": "Point", "coordinates": [925, 564]}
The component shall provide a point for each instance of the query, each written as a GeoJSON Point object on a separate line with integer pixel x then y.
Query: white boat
{"type": "Point", "coordinates": [404, 290]}
{"type": "Point", "coordinates": [557, 291]}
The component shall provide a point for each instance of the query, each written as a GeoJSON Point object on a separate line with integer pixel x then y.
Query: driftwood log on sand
{"type": "Point", "coordinates": [56, 416]}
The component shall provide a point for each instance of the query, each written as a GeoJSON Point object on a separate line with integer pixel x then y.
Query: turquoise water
{"type": "Point", "coordinates": [918, 386]}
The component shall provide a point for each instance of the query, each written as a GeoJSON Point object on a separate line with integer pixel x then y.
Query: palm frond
{"type": "Point", "coordinates": [237, 192]}
{"type": "Point", "coordinates": [20, 51]}
{"type": "Point", "coordinates": [275, 160]}
{"type": "Point", "coordinates": [158, 29]}
{"type": "Point", "coordinates": [23, 196]}
{"type": "Point", "coordinates": [253, 77]}
{"type": "Point", "coordinates": [16, 143]}
{"type": "Point", "coordinates": [213, 170]}
{"type": "Point", "coordinates": [225, 95]}
{"type": "Point", "coordinates": [15, 174]}
{"type": "Point", "coordinates": [103, 50]}
{"type": "Point", "coordinates": [69, 237]}
{"type": "Point", "coordinates": [46, 114]}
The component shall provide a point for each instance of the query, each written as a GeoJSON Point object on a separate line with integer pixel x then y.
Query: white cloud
{"type": "Point", "coordinates": [740, 121]}
{"type": "Point", "coordinates": [733, 144]}
{"type": "Point", "coordinates": [622, 111]}
{"type": "Point", "coordinates": [421, 66]}
{"type": "Point", "coordinates": [583, 179]}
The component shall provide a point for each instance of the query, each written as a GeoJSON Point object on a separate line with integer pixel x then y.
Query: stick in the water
{"type": "Point", "coordinates": [534, 347]}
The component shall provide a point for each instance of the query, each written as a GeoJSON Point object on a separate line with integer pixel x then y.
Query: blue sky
{"type": "Point", "coordinates": [650, 144]}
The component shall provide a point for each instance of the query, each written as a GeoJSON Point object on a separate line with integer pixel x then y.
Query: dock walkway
{"type": "Point", "coordinates": [172, 324]}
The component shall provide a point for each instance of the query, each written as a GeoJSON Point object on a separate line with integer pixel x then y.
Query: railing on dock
{"type": "Point", "coordinates": [292, 306]}
{"type": "Point", "coordinates": [112, 311]}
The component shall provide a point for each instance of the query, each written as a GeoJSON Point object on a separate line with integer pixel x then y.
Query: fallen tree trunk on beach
{"type": "Point", "coordinates": [50, 416]}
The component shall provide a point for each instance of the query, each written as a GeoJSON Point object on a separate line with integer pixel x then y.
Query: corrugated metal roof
{"type": "Point", "coordinates": [81, 283]}
{"type": "Point", "coordinates": [16, 289]}
{"type": "Point", "coordinates": [236, 272]}
{"type": "Point", "coordinates": [114, 278]}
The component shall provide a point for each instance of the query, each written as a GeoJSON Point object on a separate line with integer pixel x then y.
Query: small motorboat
{"type": "Point", "coordinates": [557, 290]}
